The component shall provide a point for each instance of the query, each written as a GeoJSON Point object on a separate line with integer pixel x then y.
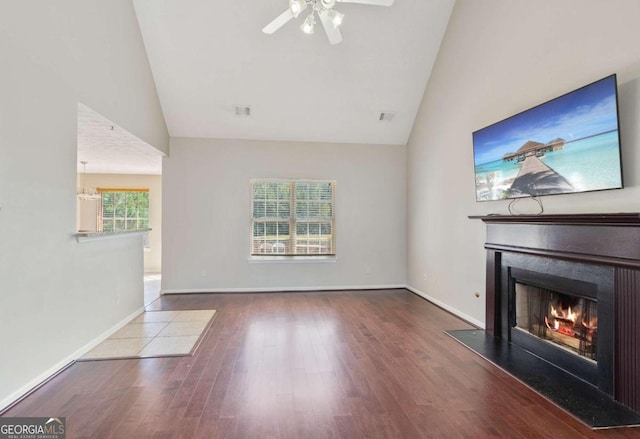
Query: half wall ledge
{"type": "Point", "coordinates": [92, 236]}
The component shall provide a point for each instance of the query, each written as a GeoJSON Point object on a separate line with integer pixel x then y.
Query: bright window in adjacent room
{"type": "Point", "coordinates": [123, 210]}
{"type": "Point", "coordinates": [293, 217]}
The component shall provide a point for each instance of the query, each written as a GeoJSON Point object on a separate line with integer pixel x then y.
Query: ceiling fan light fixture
{"type": "Point", "coordinates": [329, 18]}
{"type": "Point", "coordinates": [309, 24]}
{"type": "Point", "coordinates": [296, 6]}
{"type": "Point", "coordinates": [335, 17]}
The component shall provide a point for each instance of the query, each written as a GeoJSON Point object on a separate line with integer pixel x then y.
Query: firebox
{"type": "Point", "coordinates": [566, 320]}
{"type": "Point", "coordinates": [562, 312]}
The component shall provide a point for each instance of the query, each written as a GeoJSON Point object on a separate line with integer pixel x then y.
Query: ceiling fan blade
{"type": "Point", "coordinates": [280, 21]}
{"type": "Point", "coordinates": [333, 33]}
{"type": "Point", "coordinates": [369, 2]}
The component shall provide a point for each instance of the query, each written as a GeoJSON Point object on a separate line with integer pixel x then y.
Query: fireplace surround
{"type": "Point", "coordinates": [539, 266]}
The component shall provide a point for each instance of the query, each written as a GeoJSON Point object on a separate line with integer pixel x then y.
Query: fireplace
{"type": "Point", "coordinates": [567, 289]}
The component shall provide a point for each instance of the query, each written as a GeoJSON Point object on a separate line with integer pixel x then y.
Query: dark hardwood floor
{"type": "Point", "coordinates": [365, 364]}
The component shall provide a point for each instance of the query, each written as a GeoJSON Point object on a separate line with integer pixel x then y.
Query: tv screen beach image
{"type": "Point", "coordinates": [569, 144]}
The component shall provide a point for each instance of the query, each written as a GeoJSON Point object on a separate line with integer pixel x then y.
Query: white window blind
{"type": "Point", "coordinates": [123, 210]}
{"type": "Point", "coordinates": [292, 217]}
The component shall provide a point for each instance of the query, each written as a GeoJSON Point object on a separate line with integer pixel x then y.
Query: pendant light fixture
{"type": "Point", "coordinates": [83, 193]}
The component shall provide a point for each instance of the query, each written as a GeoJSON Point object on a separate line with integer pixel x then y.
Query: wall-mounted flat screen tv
{"type": "Point", "coordinates": [569, 144]}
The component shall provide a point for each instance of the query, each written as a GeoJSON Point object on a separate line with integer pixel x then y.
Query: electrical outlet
{"type": "Point", "coordinates": [367, 270]}
{"type": "Point", "coordinates": [204, 273]}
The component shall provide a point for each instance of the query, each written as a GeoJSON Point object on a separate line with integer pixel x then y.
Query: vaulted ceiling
{"type": "Point", "coordinates": [207, 56]}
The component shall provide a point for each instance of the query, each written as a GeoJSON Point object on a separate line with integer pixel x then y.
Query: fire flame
{"type": "Point", "coordinates": [592, 324]}
{"type": "Point", "coordinates": [565, 314]}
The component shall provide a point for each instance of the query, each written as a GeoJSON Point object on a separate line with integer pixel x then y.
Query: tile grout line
{"type": "Point", "coordinates": [160, 342]}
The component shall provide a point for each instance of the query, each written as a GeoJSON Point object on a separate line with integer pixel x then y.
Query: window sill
{"type": "Point", "coordinates": [292, 259]}
{"type": "Point", "coordinates": [92, 236]}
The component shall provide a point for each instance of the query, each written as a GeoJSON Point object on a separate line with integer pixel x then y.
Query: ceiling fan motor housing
{"type": "Point", "coordinates": [328, 4]}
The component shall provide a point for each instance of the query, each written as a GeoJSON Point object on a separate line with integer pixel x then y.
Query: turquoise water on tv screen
{"type": "Point", "coordinates": [592, 163]}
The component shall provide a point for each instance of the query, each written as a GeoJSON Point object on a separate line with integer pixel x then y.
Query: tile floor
{"type": "Point", "coordinates": [155, 334]}
{"type": "Point", "coordinates": [152, 283]}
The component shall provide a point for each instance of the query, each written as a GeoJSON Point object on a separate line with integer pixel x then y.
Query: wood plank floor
{"type": "Point", "coordinates": [362, 364]}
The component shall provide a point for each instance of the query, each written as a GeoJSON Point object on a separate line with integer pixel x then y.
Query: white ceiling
{"type": "Point", "coordinates": [110, 149]}
{"type": "Point", "coordinates": [209, 55]}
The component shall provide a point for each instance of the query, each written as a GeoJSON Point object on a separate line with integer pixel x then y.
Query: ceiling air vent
{"type": "Point", "coordinates": [386, 116]}
{"type": "Point", "coordinates": [242, 110]}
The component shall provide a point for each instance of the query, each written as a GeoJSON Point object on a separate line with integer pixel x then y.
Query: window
{"type": "Point", "coordinates": [123, 210]}
{"type": "Point", "coordinates": [292, 217]}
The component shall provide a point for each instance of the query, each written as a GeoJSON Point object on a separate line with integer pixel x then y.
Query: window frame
{"type": "Point", "coordinates": [103, 190]}
{"type": "Point", "coordinates": [293, 221]}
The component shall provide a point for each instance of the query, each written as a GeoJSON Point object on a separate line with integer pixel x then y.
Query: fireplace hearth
{"type": "Point", "coordinates": [566, 288]}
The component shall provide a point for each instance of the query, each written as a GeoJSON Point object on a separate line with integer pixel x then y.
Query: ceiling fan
{"type": "Point", "coordinates": [329, 17]}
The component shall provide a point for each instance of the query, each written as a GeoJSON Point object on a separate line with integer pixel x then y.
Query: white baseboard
{"type": "Point", "coordinates": [279, 289]}
{"type": "Point", "coordinates": [444, 306]}
{"type": "Point", "coordinates": [64, 363]}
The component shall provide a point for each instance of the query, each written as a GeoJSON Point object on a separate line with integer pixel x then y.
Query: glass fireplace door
{"type": "Point", "coordinates": [568, 321]}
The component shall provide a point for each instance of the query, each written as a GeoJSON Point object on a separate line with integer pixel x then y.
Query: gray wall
{"type": "Point", "coordinates": [500, 57]}
{"type": "Point", "coordinates": [57, 296]}
{"type": "Point", "coordinates": [207, 214]}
